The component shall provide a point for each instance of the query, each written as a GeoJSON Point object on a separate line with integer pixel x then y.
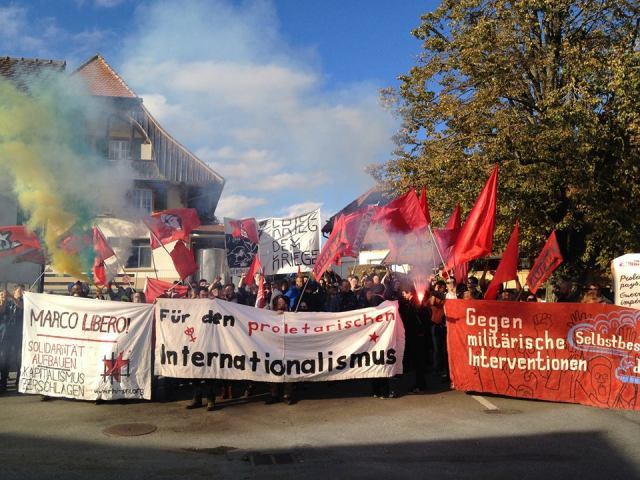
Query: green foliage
{"type": "Point", "coordinates": [547, 89]}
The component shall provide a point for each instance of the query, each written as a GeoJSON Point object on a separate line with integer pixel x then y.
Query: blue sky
{"type": "Point", "coordinates": [280, 97]}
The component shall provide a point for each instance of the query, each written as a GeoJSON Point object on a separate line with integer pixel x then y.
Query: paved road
{"type": "Point", "coordinates": [335, 431]}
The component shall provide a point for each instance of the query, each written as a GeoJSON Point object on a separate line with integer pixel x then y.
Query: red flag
{"type": "Point", "coordinates": [154, 288]}
{"type": "Point", "coordinates": [99, 271]}
{"type": "Point", "coordinates": [508, 267]}
{"type": "Point", "coordinates": [476, 236]}
{"type": "Point", "coordinates": [255, 267]}
{"type": "Point", "coordinates": [403, 214]}
{"type": "Point", "coordinates": [425, 205]}
{"type": "Point", "coordinates": [461, 272]}
{"type": "Point", "coordinates": [245, 228]}
{"type": "Point", "coordinates": [446, 237]}
{"type": "Point", "coordinates": [170, 225]}
{"type": "Point", "coordinates": [183, 260]}
{"type": "Point", "coordinates": [103, 251]}
{"type": "Point", "coordinates": [100, 245]}
{"type": "Point", "coordinates": [549, 259]}
{"type": "Point", "coordinates": [332, 249]}
{"type": "Point", "coordinates": [75, 244]}
{"type": "Point", "coordinates": [16, 239]}
{"type": "Point", "coordinates": [32, 255]}
{"type": "Point", "coordinates": [356, 225]}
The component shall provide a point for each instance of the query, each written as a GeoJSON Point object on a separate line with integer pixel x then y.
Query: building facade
{"type": "Point", "coordinates": [165, 174]}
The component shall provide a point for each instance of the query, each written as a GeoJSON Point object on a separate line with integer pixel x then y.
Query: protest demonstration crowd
{"type": "Point", "coordinates": [428, 340]}
{"type": "Point", "coordinates": [421, 299]}
{"type": "Point", "coordinates": [357, 281]}
{"type": "Point", "coordinates": [422, 316]}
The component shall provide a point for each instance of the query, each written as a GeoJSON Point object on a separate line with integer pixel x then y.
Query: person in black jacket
{"type": "Point", "coordinates": [345, 300]}
{"type": "Point", "coordinates": [416, 322]}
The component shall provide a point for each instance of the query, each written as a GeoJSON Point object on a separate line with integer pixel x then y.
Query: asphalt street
{"type": "Point", "coordinates": [336, 430]}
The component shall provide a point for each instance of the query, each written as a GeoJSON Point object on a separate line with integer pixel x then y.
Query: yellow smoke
{"type": "Point", "coordinates": [31, 133]}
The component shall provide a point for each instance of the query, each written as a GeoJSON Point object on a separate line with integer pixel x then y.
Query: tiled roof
{"type": "Point", "coordinates": [102, 80]}
{"type": "Point", "coordinates": [18, 70]}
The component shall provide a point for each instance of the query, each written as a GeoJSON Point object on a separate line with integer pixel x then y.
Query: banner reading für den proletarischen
{"type": "Point", "coordinates": [218, 339]}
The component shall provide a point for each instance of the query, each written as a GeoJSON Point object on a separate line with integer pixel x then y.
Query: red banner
{"type": "Point", "coordinates": [563, 352]}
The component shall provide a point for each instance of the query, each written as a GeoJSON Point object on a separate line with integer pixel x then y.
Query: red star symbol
{"type": "Point", "coordinates": [374, 337]}
{"type": "Point", "coordinates": [113, 367]}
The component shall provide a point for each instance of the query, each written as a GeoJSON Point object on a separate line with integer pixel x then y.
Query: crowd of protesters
{"type": "Point", "coordinates": [422, 314]}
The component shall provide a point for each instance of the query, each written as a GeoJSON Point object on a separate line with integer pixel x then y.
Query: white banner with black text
{"type": "Point", "coordinates": [290, 244]}
{"type": "Point", "coordinates": [224, 340]}
{"type": "Point", "coordinates": [86, 349]}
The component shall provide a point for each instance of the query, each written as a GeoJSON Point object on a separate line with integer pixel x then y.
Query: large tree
{"type": "Point", "coordinates": [550, 91]}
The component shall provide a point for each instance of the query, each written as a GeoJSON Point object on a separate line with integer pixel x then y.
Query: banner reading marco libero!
{"type": "Point", "coordinates": [86, 349]}
{"type": "Point", "coordinates": [218, 339]}
{"type": "Point", "coordinates": [566, 352]}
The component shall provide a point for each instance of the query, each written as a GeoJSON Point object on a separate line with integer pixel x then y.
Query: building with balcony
{"type": "Point", "coordinates": [165, 175]}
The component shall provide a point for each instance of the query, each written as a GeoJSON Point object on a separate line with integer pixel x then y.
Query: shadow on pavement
{"type": "Point", "coordinates": [583, 455]}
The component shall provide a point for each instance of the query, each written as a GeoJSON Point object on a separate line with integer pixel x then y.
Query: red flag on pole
{"type": "Point", "coordinates": [476, 236]}
{"type": "Point", "coordinates": [425, 205]}
{"type": "Point", "coordinates": [99, 271]}
{"type": "Point", "coordinates": [183, 260]}
{"type": "Point", "coordinates": [155, 288]}
{"type": "Point", "coordinates": [75, 244]}
{"type": "Point", "coordinates": [356, 226]}
{"type": "Point", "coordinates": [103, 251]}
{"type": "Point", "coordinates": [403, 214]}
{"type": "Point", "coordinates": [16, 239]}
{"type": "Point", "coordinates": [508, 267]}
{"type": "Point", "coordinates": [254, 268]}
{"type": "Point", "coordinates": [332, 249]}
{"type": "Point", "coordinates": [100, 245]}
{"type": "Point", "coordinates": [549, 259]}
{"type": "Point", "coordinates": [171, 225]}
{"type": "Point", "coordinates": [245, 228]}
{"type": "Point", "coordinates": [446, 237]}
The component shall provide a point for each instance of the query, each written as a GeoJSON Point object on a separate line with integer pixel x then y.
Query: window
{"type": "Point", "coordinates": [119, 149]}
{"type": "Point", "coordinates": [142, 198]}
{"type": "Point", "coordinates": [140, 255]}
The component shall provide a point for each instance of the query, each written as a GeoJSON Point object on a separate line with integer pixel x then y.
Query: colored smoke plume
{"type": "Point", "coordinates": [417, 253]}
{"type": "Point", "coordinates": [61, 183]}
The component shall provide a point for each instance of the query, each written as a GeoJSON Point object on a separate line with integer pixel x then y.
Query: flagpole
{"type": "Point", "coordinates": [301, 293]}
{"type": "Point", "coordinates": [157, 240]}
{"type": "Point", "coordinates": [37, 279]}
{"type": "Point", "coordinates": [153, 263]}
{"type": "Point", "coordinates": [436, 244]}
{"type": "Point", "coordinates": [117, 259]}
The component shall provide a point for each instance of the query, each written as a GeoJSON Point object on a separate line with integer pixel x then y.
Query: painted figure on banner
{"type": "Point", "coordinates": [241, 243]}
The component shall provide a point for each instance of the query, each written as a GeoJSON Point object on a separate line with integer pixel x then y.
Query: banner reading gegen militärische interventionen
{"type": "Point", "coordinates": [565, 352]}
{"type": "Point", "coordinates": [86, 349]}
{"type": "Point", "coordinates": [224, 340]}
